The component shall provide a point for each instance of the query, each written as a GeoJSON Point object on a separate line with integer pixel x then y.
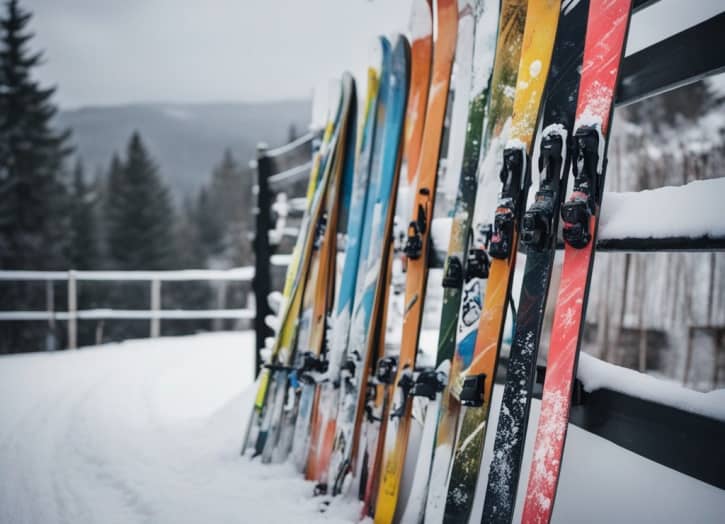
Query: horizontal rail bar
{"type": "Point", "coordinates": [291, 146]}
{"type": "Point", "coordinates": [281, 260]}
{"type": "Point", "coordinates": [129, 314]}
{"type": "Point", "coordinates": [638, 5]}
{"type": "Point", "coordinates": [641, 245]}
{"type": "Point", "coordinates": [681, 59]}
{"type": "Point", "coordinates": [241, 274]}
{"type": "Point", "coordinates": [292, 173]}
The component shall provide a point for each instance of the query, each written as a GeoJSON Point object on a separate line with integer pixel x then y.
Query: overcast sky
{"type": "Point", "coordinates": [102, 52]}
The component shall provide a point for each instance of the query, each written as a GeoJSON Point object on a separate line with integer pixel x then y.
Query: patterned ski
{"type": "Point", "coordinates": [345, 226]}
{"type": "Point", "coordinates": [294, 285]}
{"type": "Point", "coordinates": [396, 438]}
{"type": "Point", "coordinates": [316, 297]}
{"type": "Point", "coordinates": [475, 48]}
{"type": "Point", "coordinates": [354, 262]}
{"type": "Point", "coordinates": [538, 234]}
{"type": "Point", "coordinates": [603, 50]}
{"type": "Point", "coordinates": [473, 386]}
{"type": "Point", "coordinates": [383, 178]}
{"type": "Point", "coordinates": [496, 125]}
{"type": "Point", "coordinates": [396, 85]}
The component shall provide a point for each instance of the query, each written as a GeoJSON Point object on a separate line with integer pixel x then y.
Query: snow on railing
{"type": "Point", "coordinates": [291, 174]}
{"type": "Point", "coordinates": [155, 314]}
{"type": "Point", "coordinates": [691, 214]}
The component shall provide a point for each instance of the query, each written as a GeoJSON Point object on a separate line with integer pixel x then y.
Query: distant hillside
{"type": "Point", "coordinates": [185, 139]}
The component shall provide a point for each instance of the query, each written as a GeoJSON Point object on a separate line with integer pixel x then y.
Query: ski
{"type": "Point", "coordinates": [473, 386]}
{"type": "Point", "coordinates": [395, 86]}
{"type": "Point", "coordinates": [477, 30]}
{"type": "Point", "coordinates": [296, 273]}
{"type": "Point", "coordinates": [338, 300]}
{"type": "Point", "coordinates": [416, 250]}
{"type": "Point", "coordinates": [306, 339]}
{"type": "Point", "coordinates": [448, 169]}
{"type": "Point", "coordinates": [603, 50]}
{"type": "Point", "coordinates": [281, 431]}
{"type": "Point", "coordinates": [354, 261]}
{"type": "Point", "coordinates": [383, 180]}
{"type": "Point", "coordinates": [459, 330]}
{"type": "Point", "coordinates": [538, 235]}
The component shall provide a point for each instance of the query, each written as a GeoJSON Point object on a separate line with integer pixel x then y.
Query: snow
{"type": "Point", "coordinates": [692, 210]}
{"type": "Point", "coordinates": [485, 46]}
{"type": "Point", "coordinates": [440, 234]}
{"type": "Point", "coordinates": [281, 260]}
{"type": "Point", "coordinates": [535, 68]}
{"type": "Point", "coordinates": [149, 431]}
{"type": "Point", "coordinates": [568, 5]}
{"type": "Point", "coordinates": [420, 21]}
{"type": "Point", "coordinates": [143, 431]}
{"type": "Point", "coordinates": [597, 374]}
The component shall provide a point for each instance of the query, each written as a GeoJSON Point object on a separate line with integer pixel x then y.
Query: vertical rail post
{"type": "Point", "coordinates": [155, 308]}
{"type": "Point", "coordinates": [50, 306]}
{"type": "Point", "coordinates": [221, 303]}
{"type": "Point", "coordinates": [261, 283]}
{"type": "Point", "coordinates": [72, 311]}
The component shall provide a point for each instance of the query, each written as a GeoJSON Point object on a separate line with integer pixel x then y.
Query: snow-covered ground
{"type": "Point", "coordinates": [149, 431]}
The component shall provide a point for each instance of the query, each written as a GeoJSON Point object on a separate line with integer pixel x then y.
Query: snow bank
{"type": "Point", "coordinates": [597, 374]}
{"type": "Point", "coordinates": [150, 430]}
{"type": "Point", "coordinates": [693, 210]}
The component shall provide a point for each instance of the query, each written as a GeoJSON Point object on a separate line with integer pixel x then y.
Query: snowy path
{"type": "Point", "coordinates": [149, 432]}
{"type": "Point", "coordinates": [145, 431]}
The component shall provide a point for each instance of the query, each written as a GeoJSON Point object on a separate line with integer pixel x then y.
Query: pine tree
{"type": "Point", "coordinates": [208, 222]}
{"type": "Point", "coordinates": [84, 249]}
{"type": "Point", "coordinates": [32, 190]}
{"type": "Point", "coordinates": [139, 213]}
{"type": "Point", "coordinates": [33, 194]}
{"type": "Point", "coordinates": [226, 198]}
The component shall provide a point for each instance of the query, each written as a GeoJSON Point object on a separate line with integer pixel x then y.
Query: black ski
{"type": "Point", "coordinates": [538, 237]}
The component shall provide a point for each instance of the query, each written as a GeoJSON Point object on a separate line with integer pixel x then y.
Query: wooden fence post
{"type": "Point", "coordinates": [72, 311]}
{"type": "Point", "coordinates": [261, 283]}
{"type": "Point", "coordinates": [155, 308]}
{"type": "Point", "coordinates": [50, 342]}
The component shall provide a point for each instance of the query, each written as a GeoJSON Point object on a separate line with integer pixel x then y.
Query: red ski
{"type": "Point", "coordinates": [604, 47]}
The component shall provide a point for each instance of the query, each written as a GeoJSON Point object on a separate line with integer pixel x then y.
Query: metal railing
{"type": "Point", "coordinates": [154, 314]}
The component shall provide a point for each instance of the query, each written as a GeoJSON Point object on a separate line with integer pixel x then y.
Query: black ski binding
{"type": "Point", "coordinates": [310, 363]}
{"type": "Point", "coordinates": [513, 173]}
{"type": "Point", "coordinates": [320, 232]}
{"type": "Point", "coordinates": [429, 383]}
{"type": "Point", "coordinates": [537, 223]}
{"type": "Point", "coordinates": [477, 261]}
{"type": "Point", "coordinates": [387, 367]}
{"type": "Point", "coordinates": [577, 211]}
{"type": "Point", "coordinates": [503, 232]}
{"type": "Point", "coordinates": [453, 277]}
{"type": "Point", "coordinates": [417, 228]}
{"type": "Point", "coordinates": [348, 368]}
{"type": "Point", "coordinates": [405, 383]}
{"type": "Point", "coordinates": [472, 391]}
{"type": "Point", "coordinates": [371, 393]}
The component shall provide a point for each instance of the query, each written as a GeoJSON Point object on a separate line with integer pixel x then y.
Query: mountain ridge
{"type": "Point", "coordinates": [185, 139]}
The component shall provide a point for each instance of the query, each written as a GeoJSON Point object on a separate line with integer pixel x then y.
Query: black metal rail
{"type": "Point", "coordinates": [681, 59]}
{"type": "Point", "coordinates": [269, 163]}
